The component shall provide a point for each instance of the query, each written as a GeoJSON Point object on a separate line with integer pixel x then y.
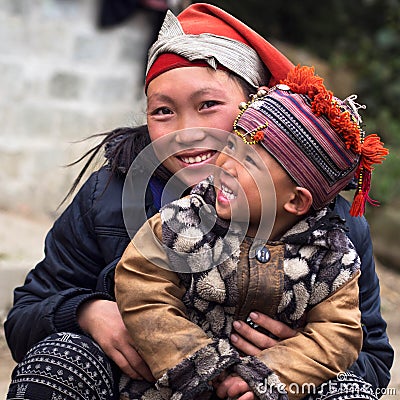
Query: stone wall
{"type": "Point", "coordinates": [61, 80]}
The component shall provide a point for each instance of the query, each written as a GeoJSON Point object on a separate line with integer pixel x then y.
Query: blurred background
{"type": "Point", "coordinates": [73, 68]}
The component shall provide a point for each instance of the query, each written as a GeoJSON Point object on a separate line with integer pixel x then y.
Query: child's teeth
{"type": "Point", "coordinates": [228, 193]}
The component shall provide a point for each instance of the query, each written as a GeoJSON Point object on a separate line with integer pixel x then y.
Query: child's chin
{"type": "Point", "coordinates": [223, 211]}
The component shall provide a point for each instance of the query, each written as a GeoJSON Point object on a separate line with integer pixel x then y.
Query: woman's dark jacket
{"type": "Point", "coordinates": [85, 244]}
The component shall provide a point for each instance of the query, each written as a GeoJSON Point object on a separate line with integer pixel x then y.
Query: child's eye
{"type": "Point", "coordinates": [229, 148]}
{"type": "Point", "coordinates": [230, 145]}
{"type": "Point", "coordinates": [250, 160]}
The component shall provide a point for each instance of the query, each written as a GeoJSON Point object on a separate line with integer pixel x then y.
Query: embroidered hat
{"type": "Point", "coordinates": [205, 35]}
{"type": "Point", "coordinates": [316, 137]}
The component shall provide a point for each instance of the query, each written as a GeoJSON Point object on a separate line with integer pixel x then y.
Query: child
{"type": "Point", "coordinates": [305, 273]}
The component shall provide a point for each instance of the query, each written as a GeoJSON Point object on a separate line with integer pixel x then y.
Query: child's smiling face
{"type": "Point", "coordinates": [250, 184]}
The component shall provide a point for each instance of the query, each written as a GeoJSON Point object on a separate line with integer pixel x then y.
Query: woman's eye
{"type": "Point", "coordinates": [208, 104]}
{"type": "Point", "coordinates": [161, 111]}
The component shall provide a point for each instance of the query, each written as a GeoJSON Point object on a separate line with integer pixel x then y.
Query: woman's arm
{"type": "Point", "coordinates": [71, 290]}
{"type": "Point", "coordinates": [64, 279]}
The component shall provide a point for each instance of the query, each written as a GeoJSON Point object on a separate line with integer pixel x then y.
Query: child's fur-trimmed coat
{"type": "Point", "coordinates": [181, 321]}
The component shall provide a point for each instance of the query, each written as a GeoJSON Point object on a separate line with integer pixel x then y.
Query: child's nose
{"type": "Point", "coordinates": [228, 166]}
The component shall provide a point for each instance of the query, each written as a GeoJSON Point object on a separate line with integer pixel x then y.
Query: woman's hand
{"type": "Point", "coordinates": [101, 320]}
{"type": "Point", "coordinates": [251, 342]}
{"type": "Point", "coordinates": [232, 386]}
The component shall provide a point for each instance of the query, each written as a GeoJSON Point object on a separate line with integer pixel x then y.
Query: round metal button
{"type": "Point", "coordinates": [263, 255]}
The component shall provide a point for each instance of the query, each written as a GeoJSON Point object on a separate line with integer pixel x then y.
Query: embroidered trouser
{"type": "Point", "coordinates": [64, 366]}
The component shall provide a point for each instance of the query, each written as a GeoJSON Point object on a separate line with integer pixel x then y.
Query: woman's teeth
{"type": "Point", "coordinates": [228, 193]}
{"type": "Point", "coordinates": [197, 159]}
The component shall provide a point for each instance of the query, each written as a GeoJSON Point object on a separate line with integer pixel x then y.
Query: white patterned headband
{"type": "Point", "coordinates": [237, 57]}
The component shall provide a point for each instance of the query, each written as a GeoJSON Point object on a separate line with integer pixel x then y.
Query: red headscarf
{"type": "Point", "coordinates": [205, 18]}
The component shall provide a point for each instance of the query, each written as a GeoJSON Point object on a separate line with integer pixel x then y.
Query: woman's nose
{"type": "Point", "coordinates": [189, 136]}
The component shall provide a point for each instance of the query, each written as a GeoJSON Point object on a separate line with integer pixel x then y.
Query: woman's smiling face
{"type": "Point", "coordinates": [186, 98]}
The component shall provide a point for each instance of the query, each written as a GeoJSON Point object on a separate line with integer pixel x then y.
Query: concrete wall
{"type": "Point", "coordinates": [61, 80]}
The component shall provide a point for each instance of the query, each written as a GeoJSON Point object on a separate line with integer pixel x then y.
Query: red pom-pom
{"type": "Point", "coordinates": [303, 80]}
{"type": "Point", "coordinates": [259, 135]}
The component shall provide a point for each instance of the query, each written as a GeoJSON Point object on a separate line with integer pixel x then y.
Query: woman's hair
{"type": "Point", "coordinates": [246, 87]}
{"type": "Point", "coordinates": [120, 146]}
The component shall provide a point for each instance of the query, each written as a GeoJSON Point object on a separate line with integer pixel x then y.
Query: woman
{"type": "Point", "coordinates": [69, 295]}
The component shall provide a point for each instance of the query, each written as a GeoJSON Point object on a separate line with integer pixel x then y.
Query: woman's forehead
{"type": "Point", "coordinates": [201, 78]}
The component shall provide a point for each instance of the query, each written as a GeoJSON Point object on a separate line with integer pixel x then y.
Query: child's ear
{"type": "Point", "coordinates": [300, 201]}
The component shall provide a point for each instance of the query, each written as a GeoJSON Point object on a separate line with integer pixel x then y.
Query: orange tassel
{"type": "Point", "coordinates": [358, 207]}
{"type": "Point", "coordinates": [372, 152]}
{"type": "Point", "coordinates": [362, 195]}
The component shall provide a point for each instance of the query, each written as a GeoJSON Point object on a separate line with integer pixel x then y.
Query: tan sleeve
{"type": "Point", "coordinates": [149, 297]}
{"type": "Point", "coordinates": [329, 343]}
